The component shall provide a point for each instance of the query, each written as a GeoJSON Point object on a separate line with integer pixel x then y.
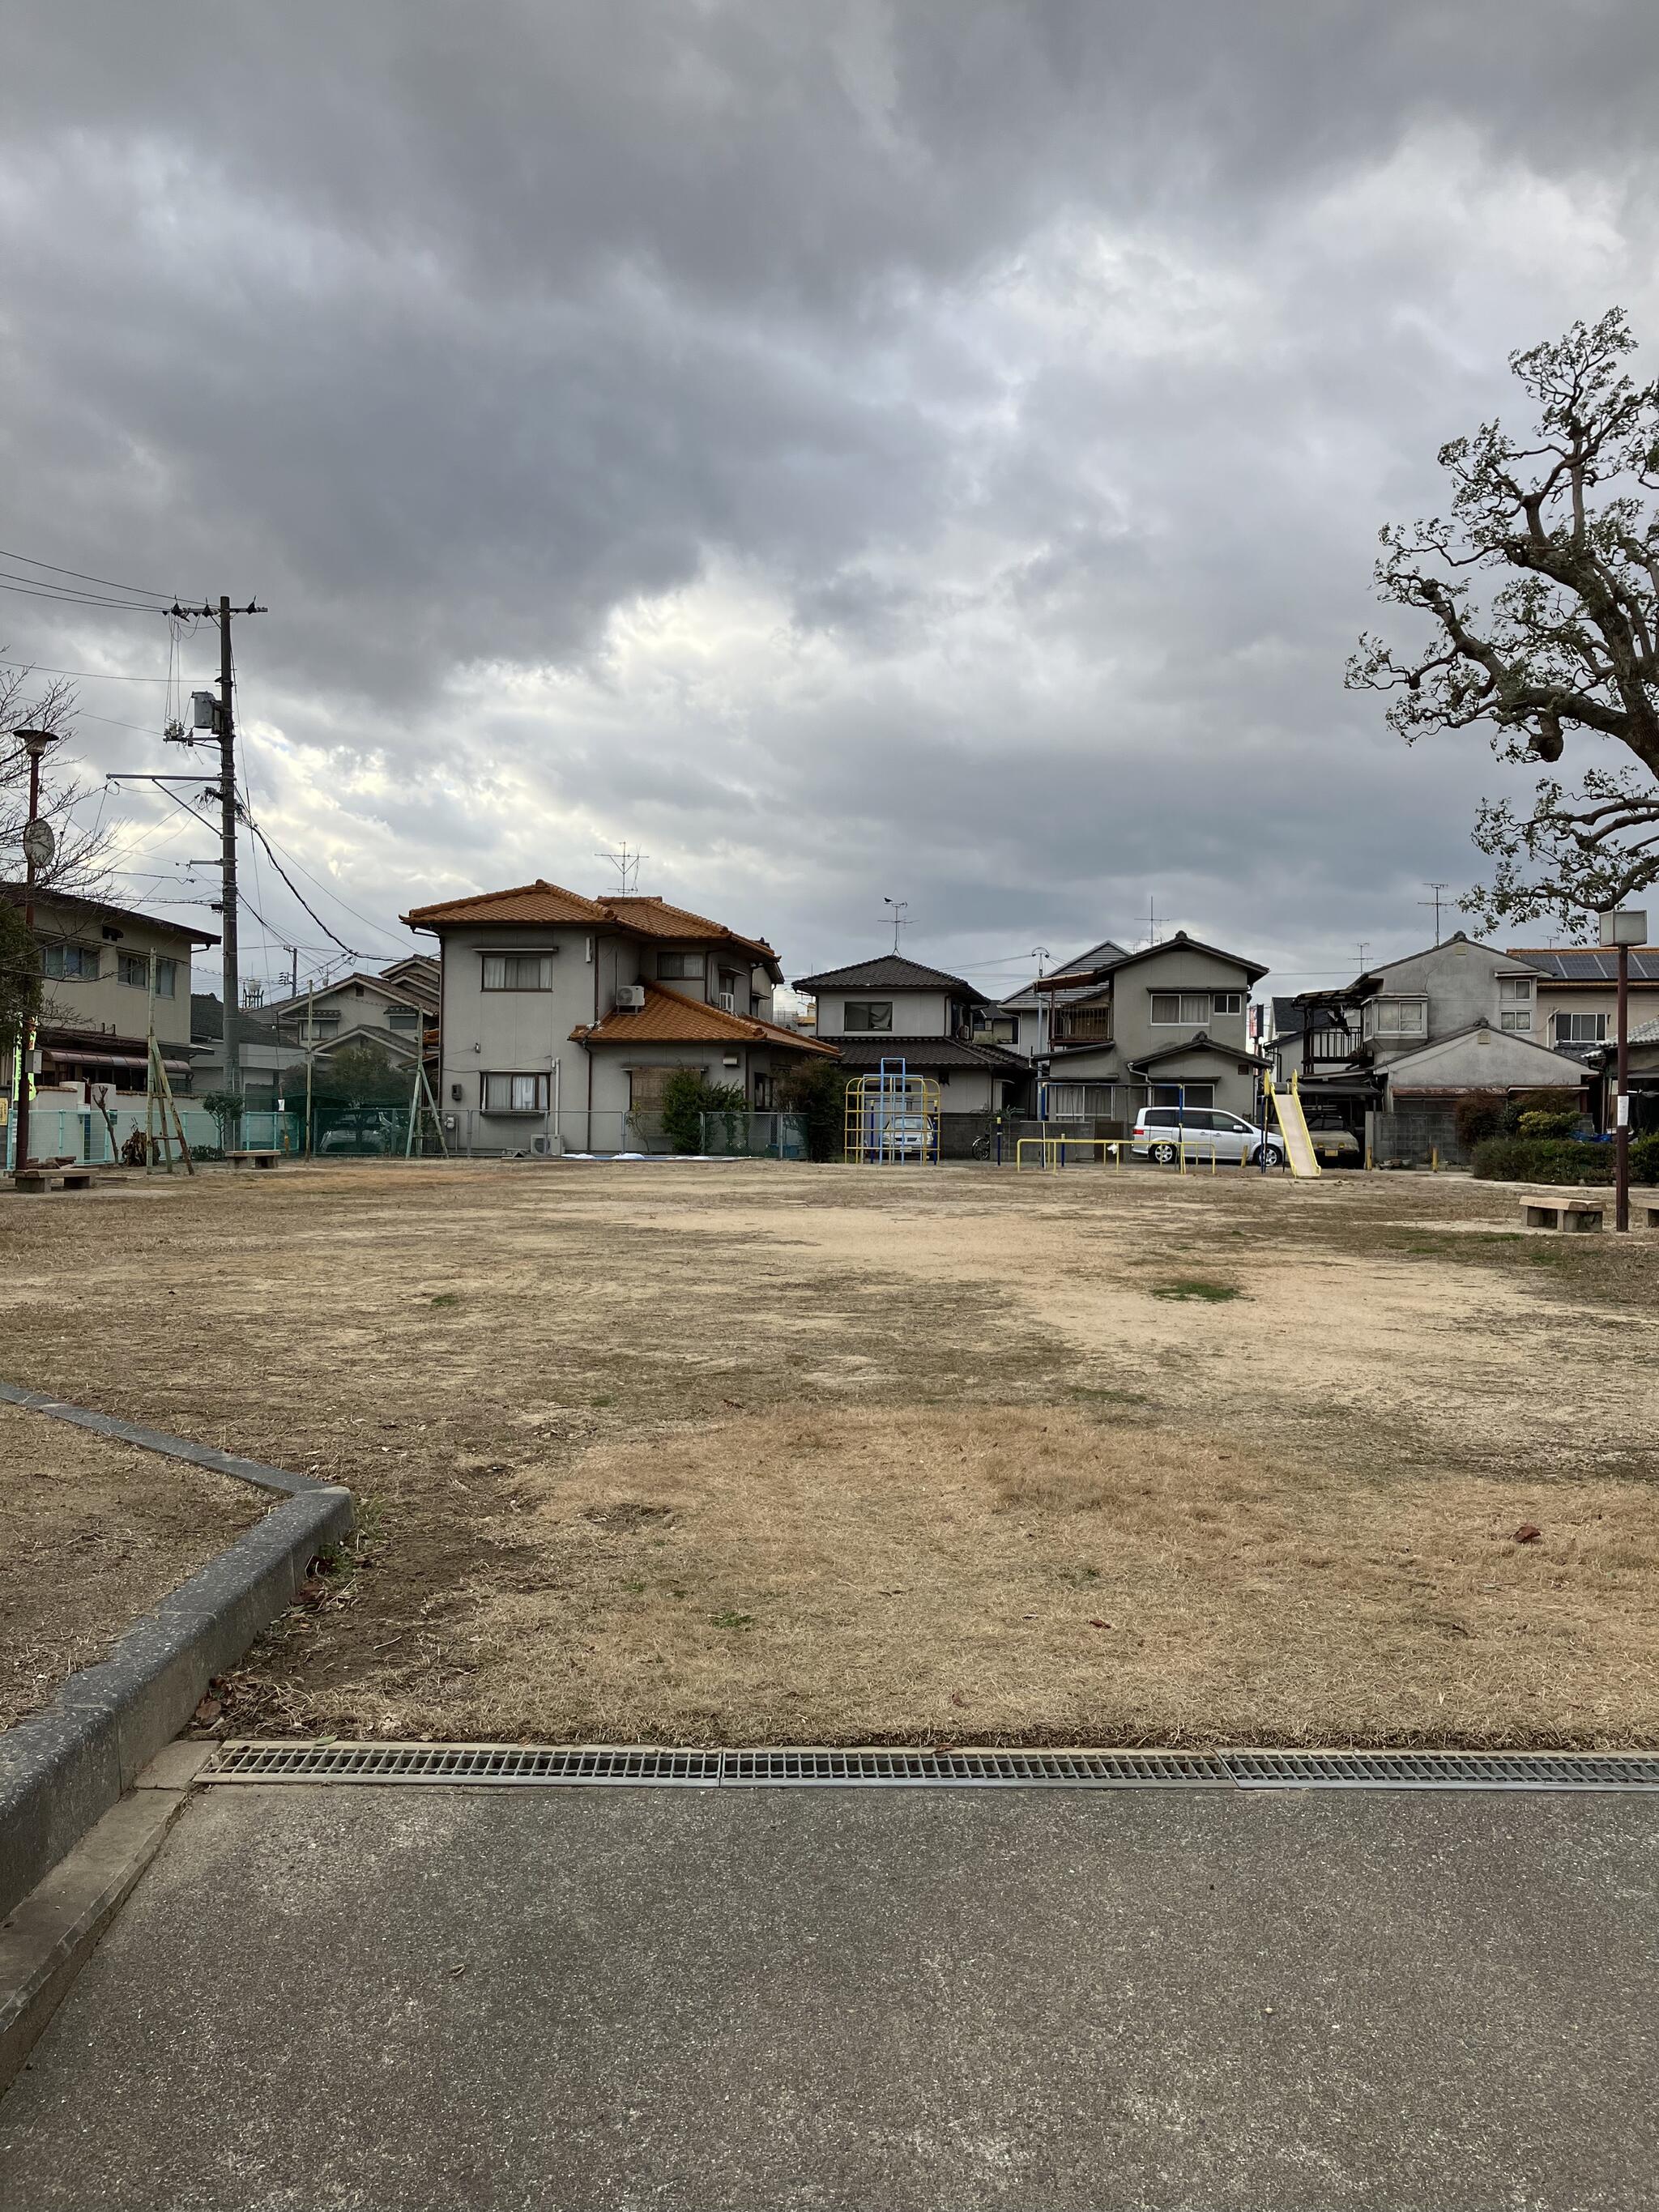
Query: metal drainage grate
{"type": "Point", "coordinates": [979, 1769]}
{"type": "Point", "coordinates": [807, 1767]}
{"type": "Point", "coordinates": [459, 1762]}
{"type": "Point", "coordinates": [1440, 1770]}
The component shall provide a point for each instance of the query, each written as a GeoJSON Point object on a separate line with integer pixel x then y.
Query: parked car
{"type": "Point", "coordinates": [1338, 1147]}
{"type": "Point", "coordinates": [1161, 1132]}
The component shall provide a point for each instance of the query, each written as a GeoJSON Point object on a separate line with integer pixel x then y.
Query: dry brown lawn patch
{"type": "Point", "coordinates": [855, 1575]}
{"type": "Point", "coordinates": [760, 1451]}
{"type": "Point", "coordinates": [92, 1534]}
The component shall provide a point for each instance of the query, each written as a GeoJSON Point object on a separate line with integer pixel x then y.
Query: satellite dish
{"type": "Point", "coordinates": [39, 844]}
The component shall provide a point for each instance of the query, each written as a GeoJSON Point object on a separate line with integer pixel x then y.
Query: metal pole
{"type": "Point", "coordinates": [1621, 1133]}
{"type": "Point", "coordinates": [20, 1153]}
{"type": "Point", "coordinates": [230, 983]}
{"type": "Point", "coordinates": [311, 1052]}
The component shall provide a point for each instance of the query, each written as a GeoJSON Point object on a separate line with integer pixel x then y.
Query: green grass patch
{"type": "Point", "coordinates": [447, 1298]}
{"type": "Point", "coordinates": [1187, 1287]}
{"type": "Point", "coordinates": [732, 1619]}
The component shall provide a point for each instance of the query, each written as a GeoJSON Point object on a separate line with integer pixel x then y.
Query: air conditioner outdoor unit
{"type": "Point", "coordinates": [546, 1148]}
{"type": "Point", "coordinates": [729, 1001]}
{"type": "Point", "coordinates": [631, 997]}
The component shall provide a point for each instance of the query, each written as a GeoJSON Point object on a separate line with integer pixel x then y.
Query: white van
{"type": "Point", "coordinates": [1161, 1132]}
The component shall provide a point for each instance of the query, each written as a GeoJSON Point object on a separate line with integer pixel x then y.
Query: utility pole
{"type": "Point", "coordinates": [1435, 903]}
{"type": "Point", "coordinates": [229, 980]}
{"type": "Point", "coordinates": [1621, 930]}
{"type": "Point", "coordinates": [220, 716]}
{"type": "Point", "coordinates": [38, 845]}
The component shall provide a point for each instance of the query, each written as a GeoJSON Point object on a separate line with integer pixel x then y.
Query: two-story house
{"type": "Point", "coordinates": [895, 1009]}
{"type": "Point", "coordinates": [1021, 1020]}
{"type": "Point", "coordinates": [109, 972]}
{"type": "Point", "coordinates": [1162, 1026]}
{"type": "Point", "coordinates": [1576, 995]}
{"type": "Point", "coordinates": [1413, 1036]}
{"type": "Point", "coordinates": [395, 1011]}
{"type": "Point", "coordinates": [561, 1018]}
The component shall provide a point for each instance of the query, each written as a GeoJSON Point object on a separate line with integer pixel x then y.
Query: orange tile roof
{"type": "Point", "coordinates": [654, 917]}
{"type": "Point", "coordinates": [538, 902]}
{"type": "Point", "coordinates": [545, 902]}
{"type": "Point", "coordinates": [670, 1017]}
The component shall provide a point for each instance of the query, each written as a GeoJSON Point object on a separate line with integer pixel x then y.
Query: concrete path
{"type": "Point", "coordinates": [389, 1998]}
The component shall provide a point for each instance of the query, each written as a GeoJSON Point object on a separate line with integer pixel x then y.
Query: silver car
{"type": "Point", "coordinates": [1162, 1132]}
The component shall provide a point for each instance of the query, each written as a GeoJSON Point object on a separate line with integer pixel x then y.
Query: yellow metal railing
{"type": "Point", "coordinates": [1055, 1150]}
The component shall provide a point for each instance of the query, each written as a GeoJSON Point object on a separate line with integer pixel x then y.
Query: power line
{"type": "Point", "coordinates": [29, 590]}
{"type": "Point", "coordinates": [86, 675]}
{"type": "Point", "coordinates": [29, 562]}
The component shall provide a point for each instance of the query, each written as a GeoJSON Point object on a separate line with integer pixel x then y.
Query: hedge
{"type": "Point", "coordinates": [1560, 1160]}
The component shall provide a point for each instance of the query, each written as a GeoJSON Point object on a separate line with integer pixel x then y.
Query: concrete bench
{"type": "Point", "coordinates": [34, 1180]}
{"type": "Point", "coordinates": [1564, 1213]}
{"type": "Point", "coordinates": [1647, 1215]}
{"type": "Point", "coordinates": [253, 1159]}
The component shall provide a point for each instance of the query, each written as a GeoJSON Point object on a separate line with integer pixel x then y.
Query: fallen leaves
{"type": "Point", "coordinates": [1528, 1532]}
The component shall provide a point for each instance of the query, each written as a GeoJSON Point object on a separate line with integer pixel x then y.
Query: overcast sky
{"type": "Point", "coordinates": [931, 451]}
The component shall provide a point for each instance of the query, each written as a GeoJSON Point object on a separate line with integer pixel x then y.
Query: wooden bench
{"type": "Point", "coordinates": [1564, 1213]}
{"type": "Point", "coordinates": [265, 1160]}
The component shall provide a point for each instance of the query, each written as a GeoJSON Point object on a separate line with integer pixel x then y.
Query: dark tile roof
{"type": "Point", "coordinates": [1255, 969]}
{"type": "Point", "coordinates": [858, 1053]}
{"type": "Point", "coordinates": [891, 972]}
{"type": "Point", "coordinates": [102, 910]}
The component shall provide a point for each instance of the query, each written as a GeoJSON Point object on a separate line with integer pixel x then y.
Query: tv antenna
{"type": "Point", "coordinates": [901, 909]}
{"type": "Point", "coordinates": [1436, 903]}
{"type": "Point", "coordinates": [627, 865]}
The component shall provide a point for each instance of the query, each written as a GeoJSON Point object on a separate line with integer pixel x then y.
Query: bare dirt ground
{"type": "Point", "coordinates": [746, 1451]}
{"type": "Point", "coordinates": [92, 1533]}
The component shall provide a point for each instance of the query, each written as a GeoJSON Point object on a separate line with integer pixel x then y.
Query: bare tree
{"type": "Point", "coordinates": [27, 702]}
{"type": "Point", "coordinates": [1543, 586]}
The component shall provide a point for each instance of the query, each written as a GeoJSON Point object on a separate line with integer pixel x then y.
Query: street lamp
{"type": "Point", "coordinates": [1622, 929]}
{"type": "Point", "coordinates": [39, 846]}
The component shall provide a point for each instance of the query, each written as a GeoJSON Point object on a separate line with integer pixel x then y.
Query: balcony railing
{"type": "Point", "coordinates": [1331, 1048]}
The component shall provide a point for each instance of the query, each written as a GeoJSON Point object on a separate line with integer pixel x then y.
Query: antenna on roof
{"type": "Point", "coordinates": [627, 866]}
{"type": "Point", "coordinates": [1436, 903]}
{"type": "Point", "coordinates": [1364, 943]}
{"type": "Point", "coordinates": [900, 907]}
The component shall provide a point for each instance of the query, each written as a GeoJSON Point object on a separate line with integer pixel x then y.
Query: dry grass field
{"type": "Point", "coordinates": [91, 1534]}
{"type": "Point", "coordinates": [741, 1452]}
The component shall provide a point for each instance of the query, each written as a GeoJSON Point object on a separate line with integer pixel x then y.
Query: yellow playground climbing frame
{"type": "Point", "coordinates": [892, 1119]}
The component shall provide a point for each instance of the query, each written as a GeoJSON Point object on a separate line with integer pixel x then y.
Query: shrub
{"type": "Point", "coordinates": [1548, 1125]}
{"type": "Point", "coordinates": [1645, 1158]}
{"type": "Point", "coordinates": [1477, 1116]}
{"type": "Point", "coordinates": [817, 1092]}
{"type": "Point", "coordinates": [1533, 1102]}
{"type": "Point", "coordinates": [687, 1096]}
{"type": "Point", "coordinates": [1542, 1159]}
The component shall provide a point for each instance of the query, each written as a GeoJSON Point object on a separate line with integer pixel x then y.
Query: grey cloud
{"type": "Point", "coordinates": [1030, 378]}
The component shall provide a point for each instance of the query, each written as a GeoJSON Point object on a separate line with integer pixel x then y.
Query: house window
{"type": "Point", "coordinates": [762, 1094]}
{"type": "Point", "coordinates": [403, 1017]}
{"type": "Point", "coordinates": [1185, 1009]}
{"type": "Point", "coordinates": [1079, 1022]}
{"type": "Point", "coordinates": [1515, 1002]}
{"type": "Point", "coordinates": [166, 978]}
{"type": "Point", "coordinates": [1227, 1002]}
{"type": "Point", "coordinates": [133, 968]}
{"type": "Point", "coordinates": [646, 1087]}
{"type": "Point", "coordinates": [518, 971]}
{"type": "Point", "coordinates": [515, 1094]}
{"type": "Point", "coordinates": [860, 1016]}
{"type": "Point", "coordinates": [679, 967]}
{"type": "Point", "coordinates": [1581, 1029]}
{"type": "Point", "coordinates": [1401, 1018]}
{"type": "Point", "coordinates": [1179, 1094]}
{"type": "Point", "coordinates": [74, 963]}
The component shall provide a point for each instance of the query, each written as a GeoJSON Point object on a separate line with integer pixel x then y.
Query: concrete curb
{"type": "Point", "coordinates": [44, 1943]}
{"type": "Point", "coordinates": [156, 1440]}
{"type": "Point", "coordinates": [63, 1769]}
